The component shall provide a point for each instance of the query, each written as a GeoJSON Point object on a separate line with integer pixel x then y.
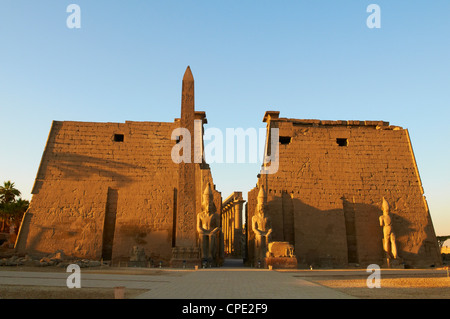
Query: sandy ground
{"type": "Point", "coordinates": [41, 292]}
{"type": "Point", "coordinates": [38, 292]}
{"type": "Point", "coordinates": [391, 287]}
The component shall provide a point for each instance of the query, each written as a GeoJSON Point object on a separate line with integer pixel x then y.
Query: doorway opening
{"type": "Point", "coordinates": [110, 223]}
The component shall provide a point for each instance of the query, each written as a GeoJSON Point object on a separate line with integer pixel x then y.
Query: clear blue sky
{"type": "Point", "coordinates": [306, 59]}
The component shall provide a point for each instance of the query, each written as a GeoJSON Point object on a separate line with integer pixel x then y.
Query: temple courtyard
{"type": "Point", "coordinates": [232, 281]}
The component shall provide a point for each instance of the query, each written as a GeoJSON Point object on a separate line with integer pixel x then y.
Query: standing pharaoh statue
{"type": "Point", "coordinates": [262, 227]}
{"type": "Point", "coordinates": [208, 226]}
{"type": "Point", "coordinates": [389, 244]}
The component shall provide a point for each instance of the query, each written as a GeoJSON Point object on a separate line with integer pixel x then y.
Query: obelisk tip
{"type": "Point", "coordinates": [188, 75]}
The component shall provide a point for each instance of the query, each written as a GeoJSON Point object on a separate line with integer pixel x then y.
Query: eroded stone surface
{"type": "Point", "coordinates": [326, 196]}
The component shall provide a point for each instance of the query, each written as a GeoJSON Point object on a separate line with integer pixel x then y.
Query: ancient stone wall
{"type": "Point", "coordinates": [326, 196]}
{"type": "Point", "coordinates": [82, 165]}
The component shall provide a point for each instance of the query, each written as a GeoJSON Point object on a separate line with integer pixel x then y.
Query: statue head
{"type": "Point", "coordinates": [385, 207]}
{"type": "Point", "coordinates": [208, 200]}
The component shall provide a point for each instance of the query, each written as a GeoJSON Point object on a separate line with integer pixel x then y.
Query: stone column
{"type": "Point", "coordinates": [232, 228]}
{"type": "Point", "coordinates": [232, 212]}
{"type": "Point", "coordinates": [227, 220]}
{"type": "Point", "coordinates": [238, 205]}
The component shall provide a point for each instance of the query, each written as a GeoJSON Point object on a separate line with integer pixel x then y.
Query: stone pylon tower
{"type": "Point", "coordinates": [103, 188]}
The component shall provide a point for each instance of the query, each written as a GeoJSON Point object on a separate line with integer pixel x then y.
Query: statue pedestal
{"type": "Point", "coordinates": [210, 262]}
{"type": "Point", "coordinates": [185, 257]}
{"type": "Point", "coordinates": [393, 263]}
{"type": "Point", "coordinates": [136, 263]}
{"type": "Point", "coordinates": [137, 257]}
{"type": "Point", "coordinates": [185, 263]}
{"type": "Point", "coordinates": [281, 262]}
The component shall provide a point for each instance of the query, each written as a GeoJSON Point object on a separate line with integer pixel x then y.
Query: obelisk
{"type": "Point", "coordinates": [186, 208]}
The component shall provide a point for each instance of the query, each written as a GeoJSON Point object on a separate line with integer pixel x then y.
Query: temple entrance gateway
{"type": "Point", "coordinates": [318, 204]}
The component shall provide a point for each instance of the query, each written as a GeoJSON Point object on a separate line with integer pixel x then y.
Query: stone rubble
{"type": "Point", "coordinates": [58, 258]}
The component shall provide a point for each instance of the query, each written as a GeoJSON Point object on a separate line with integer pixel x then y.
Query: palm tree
{"type": "Point", "coordinates": [8, 192]}
{"type": "Point", "coordinates": [10, 209]}
{"type": "Point", "coordinates": [18, 208]}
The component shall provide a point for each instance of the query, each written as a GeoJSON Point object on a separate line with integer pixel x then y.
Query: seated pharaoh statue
{"type": "Point", "coordinates": [208, 226]}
